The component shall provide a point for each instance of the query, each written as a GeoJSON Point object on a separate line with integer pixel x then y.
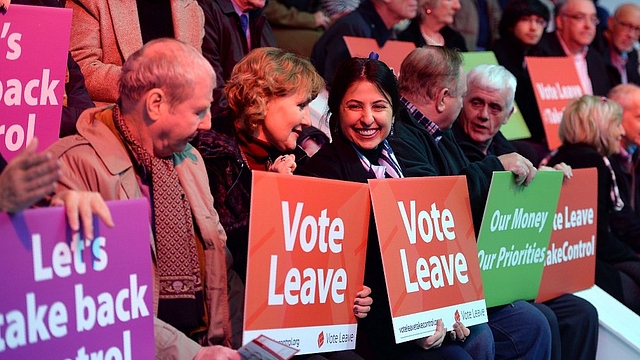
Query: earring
{"type": "Point", "coordinates": [428, 11]}
{"type": "Point", "coordinates": [391, 132]}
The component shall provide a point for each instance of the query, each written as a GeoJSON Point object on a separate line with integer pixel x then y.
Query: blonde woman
{"type": "Point", "coordinates": [590, 131]}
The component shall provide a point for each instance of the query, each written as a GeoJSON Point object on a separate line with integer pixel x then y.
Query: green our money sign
{"type": "Point", "coordinates": [514, 235]}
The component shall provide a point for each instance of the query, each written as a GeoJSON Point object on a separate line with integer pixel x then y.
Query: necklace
{"type": "Point", "coordinates": [431, 41]}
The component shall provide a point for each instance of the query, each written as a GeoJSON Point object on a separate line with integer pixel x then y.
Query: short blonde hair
{"type": "Point", "coordinates": [264, 74]}
{"type": "Point", "coordinates": [590, 120]}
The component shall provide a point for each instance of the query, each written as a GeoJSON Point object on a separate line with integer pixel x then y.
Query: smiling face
{"type": "Point", "coordinates": [366, 115]}
{"type": "Point", "coordinates": [283, 121]}
{"type": "Point", "coordinates": [484, 112]}
{"type": "Point", "coordinates": [178, 125]}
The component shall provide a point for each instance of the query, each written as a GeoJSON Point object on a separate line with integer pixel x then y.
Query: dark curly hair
{"type": "Point", "coordinates": [516, 10]}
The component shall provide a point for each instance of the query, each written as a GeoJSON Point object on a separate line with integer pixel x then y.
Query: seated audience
{"type": "Point", "coordinates": [432, 84]}
{"type": "Point", "coordinates": [363, 101]}
{"type": "Point", "coordinates": [269, 94]}
{"type": "Point", "coordinates": [521, 27]}
{"type": "Point", "coordinates": [104, 33]}
{"type": "Point", "coordinates": [139, 148]}
{"type": "Point", "coordinates": [487, 106]}
{"type": "Point", "coordinates": [373, 19]}
{"type": "Point", "coordinates": [432, 25]}
{"type": "Point", "coordinates": [616, 44]}
{"type": "Point", "coordinates": [590, 131]}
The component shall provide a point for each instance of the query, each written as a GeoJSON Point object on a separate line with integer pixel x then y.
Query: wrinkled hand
{"type": "Point", "coordinates": [363, 302]}
{"type": "Point", "coordinates": [217, 352]}
{"type": "Point", "coordinates": [566, 169]}
{"type": "Point", "coordinates": [80, 207]}
{"type": "Point", "coordinates": [322, 20]}
{"type": "Point", "coordinates": [284, 164]}
{"type": "Point", "coordinates": [435, 340]}
{"type": "Point", "coordinates": [520, 166]}
{"type": "Point", "coordinates": [28, 178]}
{"type": "Point", "coordinates": [459, 332]}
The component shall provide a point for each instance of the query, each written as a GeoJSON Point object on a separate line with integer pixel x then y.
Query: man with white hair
{"type": "Point", "coordinates": [139, 148]}
{"type": "Point", "coordinates": [487, 106]}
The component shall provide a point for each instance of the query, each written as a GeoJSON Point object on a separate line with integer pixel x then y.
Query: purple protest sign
{"type": "Point", "coordinates": [69, 298]}
{"type": "Point", "coordinates": [34, 43]}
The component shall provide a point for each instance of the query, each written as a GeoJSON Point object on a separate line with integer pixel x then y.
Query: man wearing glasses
{"type": "Point", "coordinates": [616, 44]}
{"type": "Point", "coordinates": [576, 22]}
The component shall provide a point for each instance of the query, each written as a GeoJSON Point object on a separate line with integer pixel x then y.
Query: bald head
{"type": "Point", "coordinates": [628, 96]}
{"type": "Point", "coordinates": [624, 27]}
{"type": "Point", "coordinates": [576, 22]}
{"type": "Point", "coordinates": [167, 64]}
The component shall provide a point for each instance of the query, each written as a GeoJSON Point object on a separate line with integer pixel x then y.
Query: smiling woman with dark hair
{"type": "Point", "coordinates": [363, 101]}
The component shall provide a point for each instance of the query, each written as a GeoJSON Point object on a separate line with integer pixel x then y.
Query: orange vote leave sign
{"type": "Point", "coordinates": [553, 91]}
{"type": "Point", "coordinates": [429, 253]}
{"type": "Point", "coordinates": [307, 247]}
{"type": "Point", "coordinates": [571, 256]}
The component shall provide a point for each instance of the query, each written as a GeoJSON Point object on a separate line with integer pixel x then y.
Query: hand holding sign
{"type": "Point", "coordinates": [520, 166]}
{"type": "Point", "coordinates": [27, 179]}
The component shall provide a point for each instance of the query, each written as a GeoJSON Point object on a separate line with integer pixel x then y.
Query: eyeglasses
{"type": "Point", "coordinates": [629, 27]}
{"type": "Point", "coordinates": [535, 20]}
{"type": "Point", "coordinates": [583, 18]}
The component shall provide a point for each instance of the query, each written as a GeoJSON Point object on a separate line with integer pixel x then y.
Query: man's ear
{"type": "Point", "coordinates": [506, 119]}
{"type": "Point", "coordinates": [440, 96]}
{"type": "Point", "coordinates": [154, 99]}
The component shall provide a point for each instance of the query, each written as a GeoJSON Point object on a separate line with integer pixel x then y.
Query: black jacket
{"type": "Point", "coordinates": [224, 44]}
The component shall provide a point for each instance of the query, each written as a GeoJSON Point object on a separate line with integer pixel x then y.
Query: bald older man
{"type": "Point", "coordinates": [616, 44]}
{"type": "Point", "coordinates": [576, 22]}
{"type": "Point", "coordinates": [138, 148]}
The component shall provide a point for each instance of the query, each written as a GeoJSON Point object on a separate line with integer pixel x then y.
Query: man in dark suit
{"type": "Point", "coordinates": [616, 44]}
{"type": "Point", "coordinates": [576, 22]}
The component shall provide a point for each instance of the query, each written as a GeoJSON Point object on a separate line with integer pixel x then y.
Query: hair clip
{"type": "Point", "coordinates": [374, 55]}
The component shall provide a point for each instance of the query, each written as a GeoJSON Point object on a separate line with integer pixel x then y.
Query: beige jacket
{"type": "Point", "coordinates": [96, 160]}
{"type": "Point", "coordinates": [104, 33]}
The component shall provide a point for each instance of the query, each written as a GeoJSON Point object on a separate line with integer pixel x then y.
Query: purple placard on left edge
{"type": "Point", "coordinates": [65, 297]}
{"type": "Point", "coordinates": [34, 44]}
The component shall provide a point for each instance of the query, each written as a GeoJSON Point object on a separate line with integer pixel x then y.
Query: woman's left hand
{"type": "Point", "coordinates": [284, 164]}
{"type": "Point", "coordinates": [459, 332]}
{"type": "Point", "coordinates": [362, 304]}
{"type": "Point", "coordinates": [566, 169]}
